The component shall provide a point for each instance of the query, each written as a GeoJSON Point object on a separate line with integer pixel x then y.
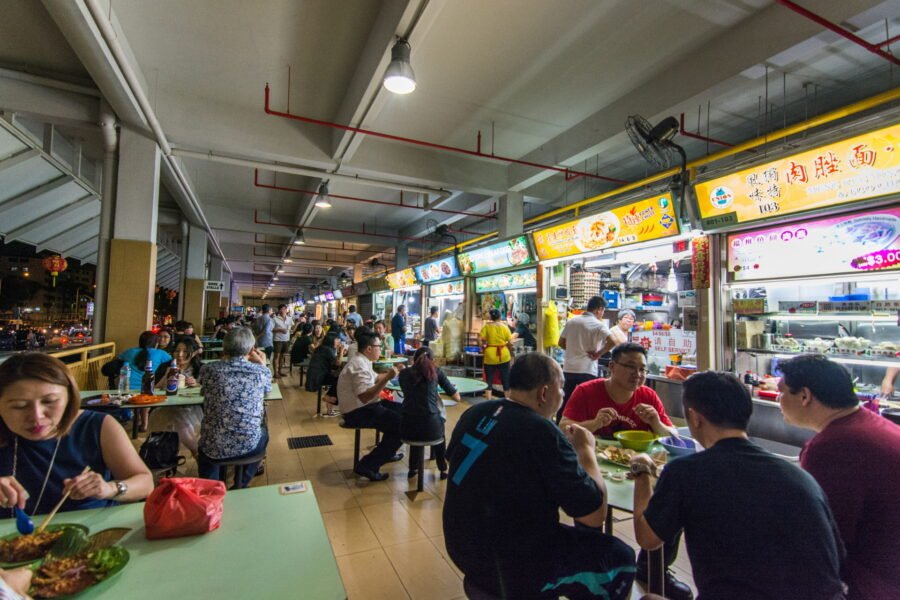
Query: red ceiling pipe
{"type": "Point", "coordinates": [333, 230]}
{"type": "Point", "coordinates": [685, 133]}
{"type": "Point", "coordinates": [343, 246]}
{"type": "Point", "coordinates": [478, 153]}
{"type": "Point", "coordinates": [873, 48]}
{"type": "Point", "coordinates": [256, 183]}
{"type": "Point", "coordinates": [889, 41]}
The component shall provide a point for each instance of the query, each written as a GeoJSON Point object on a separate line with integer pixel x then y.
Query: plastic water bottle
{"type": "Point", "coordinates": [124, 380]}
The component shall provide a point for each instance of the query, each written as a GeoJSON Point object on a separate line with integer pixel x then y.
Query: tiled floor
{"type": "Point", "coordinates": [387, 547]}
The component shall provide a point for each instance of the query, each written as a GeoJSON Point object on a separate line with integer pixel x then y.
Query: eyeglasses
{"type": "Point", "coordinates": [633, 368]}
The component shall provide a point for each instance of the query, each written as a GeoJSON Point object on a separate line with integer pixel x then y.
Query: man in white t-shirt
{"type": "Point", "coordinates": [281, 336]}
{"type": "Point", "coordinates": [359, 390]}
{"type": "Point", "coordinates": [585, 338]}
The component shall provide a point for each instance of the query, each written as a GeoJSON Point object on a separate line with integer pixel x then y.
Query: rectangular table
{"type": "Point", "coordinates": [185, 397]}
{"type": "Point", "coordinates": [268, 546]}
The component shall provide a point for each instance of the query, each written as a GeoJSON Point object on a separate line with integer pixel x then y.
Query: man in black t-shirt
{"type": "Point", "coordinates": [755, 525]}
{"type": "Point", "coordinates": [511, 470]}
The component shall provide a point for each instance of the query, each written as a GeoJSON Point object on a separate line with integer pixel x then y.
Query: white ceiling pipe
{"type": "Point", "coordinates": [110, 37]}
{"type": "Point", "coordinates": [307, 172]}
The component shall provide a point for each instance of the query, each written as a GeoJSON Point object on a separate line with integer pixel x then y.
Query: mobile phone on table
{"type": "Point", "coordinates": [296, 487]}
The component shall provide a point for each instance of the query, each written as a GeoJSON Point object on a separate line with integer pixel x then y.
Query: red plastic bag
{"type": "Point", "coordinates": [182, 506]}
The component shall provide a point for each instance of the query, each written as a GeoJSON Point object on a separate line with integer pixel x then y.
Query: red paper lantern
{"type": "Point", "coordinates": [56, 265]}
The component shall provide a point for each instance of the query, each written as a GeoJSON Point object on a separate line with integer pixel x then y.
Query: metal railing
{"type": "Point", "coordinates": [86, 364]}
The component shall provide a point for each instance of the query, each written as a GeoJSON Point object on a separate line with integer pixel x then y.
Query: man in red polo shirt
{"type": "Point", "coordinates": [605, 406]}
{"type": "Point", "coordinates": [622, 402]}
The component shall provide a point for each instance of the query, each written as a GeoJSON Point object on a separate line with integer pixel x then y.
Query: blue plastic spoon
{"type": "Point", "coordinates": [23, 522]}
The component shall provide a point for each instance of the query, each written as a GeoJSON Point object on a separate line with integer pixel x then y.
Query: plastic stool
{"type": "Point", "coordinates": [238, 463]}
{"type": "Point", "coordinates": [420, 484]}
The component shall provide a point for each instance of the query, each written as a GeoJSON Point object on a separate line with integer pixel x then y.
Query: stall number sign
{"type": "Point", "coordinates": [437, 270]}
{"type": "Point", "coordinates": [214, 286]}
{"type": "Point", "coordinates": [868, 241]}
{"type": "Point", "coordinates": [641, 221]}
{"type": "Point", "coordinates": [502, 255]}
{"type": "Point", "coordinates": [660, 343]}
{"type": "Point", "coordinates": [855, 169]}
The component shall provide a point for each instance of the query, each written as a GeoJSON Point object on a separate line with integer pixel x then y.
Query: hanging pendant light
{"type": "Point", "coordinates": [399, 77]}
{"type": "Point", "coordinates": [322, 199]}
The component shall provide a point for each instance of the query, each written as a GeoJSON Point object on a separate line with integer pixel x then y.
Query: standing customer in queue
{"type": "Point", "coordinates": [511, 471]}
{"type": "Point", "coordinates": [423, 414]}
{"type": "Point", "coordinates": [234, 389]}
{"type": "Point", "coordinates": [398, 331]}
{"type": "Point", "coordinates": [281, 338]}
{"type": "Point", "coordinates": [432, 328]}
{"type": "Point", "coordinates": [496, 340]}
{"type": "Point", "coordinates": [263, 329]}
{"type": "Point", "coordinates": [46, 441]}
{"type": "Point", "coordinates": [585, 338]}
{"type": "Point", "coordinates": [755, 525]}
{"type": "Point", "coordinates": [855, 457]}
{"type": "Point", "coordinates": [354, 317]}
{"type": "Point", "coordinates": [359, 390]}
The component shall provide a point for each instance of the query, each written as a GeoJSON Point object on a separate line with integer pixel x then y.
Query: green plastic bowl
{"type": "Point", "coordinates": [635, 439]}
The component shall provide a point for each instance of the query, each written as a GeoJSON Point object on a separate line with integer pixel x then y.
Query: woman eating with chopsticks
{"type": "Point", "coordinates": [50, 448]}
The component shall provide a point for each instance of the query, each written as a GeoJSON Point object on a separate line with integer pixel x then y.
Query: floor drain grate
{"type": "Point", "coordinates": [309, 441]}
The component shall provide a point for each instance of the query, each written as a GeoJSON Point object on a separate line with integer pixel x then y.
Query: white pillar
{"type": "Point", "coordinates": [510, 217]}
{"type": "Point", "coordinates": [195, 278]}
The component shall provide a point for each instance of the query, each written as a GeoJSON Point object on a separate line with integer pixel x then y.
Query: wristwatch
{"type": "Point", "coordinates": [121, 489]}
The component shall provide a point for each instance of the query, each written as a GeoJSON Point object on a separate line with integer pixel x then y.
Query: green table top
{"type": "Point", "coordinates": [463, 385]}
{"type": "Point", "coordinates": [268, 546]}
{"type": "Point", "coordinates": [396, 360]}
{"type": "Point", "coordinates": [185, 397]}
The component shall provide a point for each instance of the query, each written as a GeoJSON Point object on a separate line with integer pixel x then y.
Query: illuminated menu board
{"type": "Point", "coordinates": [438, 270]}
{"type": "Point", "coordinates": [867, 241]}
{"type": "Point", "coordinates": [453, 288]}
{"type": "Point", "coordinates": [507, 281]}
{"type": "Point", "coordinates": [641, 221]}
{"type": "Point", "coordinates": [401, 279]}
{"type": "Point", "coordinates": [502, 255]}
{"type": "Point", "coordinates": [855, 169]}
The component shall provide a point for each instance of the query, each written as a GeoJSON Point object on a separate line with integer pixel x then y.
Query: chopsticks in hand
{"type": "Point", "coordinates": [59, 504]}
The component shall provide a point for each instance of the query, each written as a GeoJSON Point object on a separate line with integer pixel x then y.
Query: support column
{"type": "Point", "coordinates": [357, 273]}
{"type": "Point", "coordinates": [214, 299]}
{"type": "Point", "coordinates": [132, 251]}
{"type": "Point", "coordinates": [402, 257]}
{"type": "Point", "coordinates": [225, 302]}
{"type": "Point", "coordinates": [195, 278]}
{"type": "Point", "coordinates": [510, 216]}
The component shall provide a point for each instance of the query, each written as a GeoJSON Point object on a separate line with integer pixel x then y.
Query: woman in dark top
{"type": "Point", "coordinates": [46, 440]}
{"type": "Point", "coordinates": [323, 368]}
{"type": "Point", "coordinates": [423, 413]}
{"type": "Point", "coordinates": [302, 346]}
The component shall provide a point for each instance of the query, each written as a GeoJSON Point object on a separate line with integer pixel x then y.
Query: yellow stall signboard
{"type": "Point", "coordinates": [402, 279]}
{"type": "Point", "coordinates": [642, 221]}
{"type": "Point", "coordinates": [862, 167]}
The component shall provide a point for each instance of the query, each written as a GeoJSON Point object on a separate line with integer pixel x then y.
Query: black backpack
{"type": "Point", "coordinates": [160, 450]}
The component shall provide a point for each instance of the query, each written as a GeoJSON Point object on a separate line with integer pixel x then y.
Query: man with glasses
{"type": "Point", "coordinates": [359, 390]}
{"type": "Point", "coordinates": [622, 402]}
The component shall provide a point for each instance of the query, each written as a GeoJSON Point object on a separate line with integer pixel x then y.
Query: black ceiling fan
{"type": "Point", "coordinates": [655, 144]}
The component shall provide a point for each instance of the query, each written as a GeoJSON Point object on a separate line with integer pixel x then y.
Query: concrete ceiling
{"type": "Point", "coordinates": [547, 82]}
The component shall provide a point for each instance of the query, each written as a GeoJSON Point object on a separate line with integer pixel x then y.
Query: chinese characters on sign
{"type": "Point", "coordinates": [858, 168]}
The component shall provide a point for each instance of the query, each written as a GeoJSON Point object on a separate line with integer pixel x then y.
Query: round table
{"type": "Point", "coordinates": [463, 385]}
{"type": "Point", "coordinates": [390, 362]}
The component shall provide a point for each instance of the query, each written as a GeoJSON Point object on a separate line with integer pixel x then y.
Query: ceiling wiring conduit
{"type": "Point", "coordinates": [873, 48]}
{"type": "Point", "coordinates": [443, 147]}
{"type": "Point", "coordinates": [256, 183]}
{"type": "Point", "coordinates": [110, 38]}
{"type": "Point", "coordinates": [257, 221]}
{"type": "Point", "coordinates": [823, 119]}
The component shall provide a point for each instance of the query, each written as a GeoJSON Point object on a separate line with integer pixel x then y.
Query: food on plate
{"type": "Point", "coordinates": [618, 455]}
{"type": "Point", "coordinates": [889, 346]}
{"type": "Point", "coordinates": [24, 548]}
{"type": "Point", "coordinates": [465, 263]}
{"type": "Point", "coordinates": [851, 343]}
{"type": "Point", "coordinates": [435, 271]}
{"type": "Point", "coordinates": [67, 576]}
{"type": "Point", "coordinates": [598, 231]}
{"type": "Point", "coordinates": [787, 342]}
{"type": "Point", "coordinates": [146, 399]}
{"type": "Point", "coordinates": [445, 268]}
{"type": "Point", "coordinates": [818, 345]}
{"type": "Point", "coordinates": [424, 274]}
